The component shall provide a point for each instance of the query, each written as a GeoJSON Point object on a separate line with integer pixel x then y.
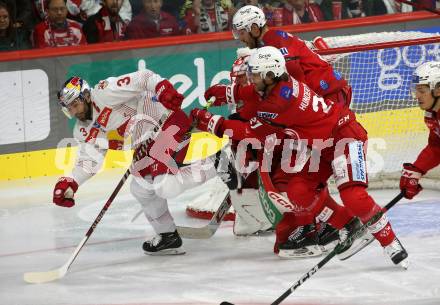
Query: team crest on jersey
{"type": "Point", "coordinates": [284, 51]}
{"type": "Point", "coordinates": [337, 75]}
{"type": "Point", "coordinates": [266, 115]}
{"type": "Point", "coordinates": [323, 84]}
{"type": "Point", "coordinates": [286, 92]}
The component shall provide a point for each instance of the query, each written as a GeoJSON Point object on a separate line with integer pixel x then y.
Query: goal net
{"type": "Point", "coordinates": [379, 68]}
{"type": "Point", "coordinates": [380, 75]}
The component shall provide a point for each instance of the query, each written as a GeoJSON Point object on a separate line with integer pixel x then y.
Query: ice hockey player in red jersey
{"type": "Point", "coordinates": [249, 26]}
{"type": "Point", "coordinates": [145, 107]}
{"type": "Point", "coordinates": [287, 108]}
{"type": "Point", "coordinates": [426, 89]}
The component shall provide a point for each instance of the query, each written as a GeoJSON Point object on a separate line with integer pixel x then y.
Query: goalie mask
{"type": "Point", "coordinates": [71, 90]}
{"type": "Point", "coordinates": [265, 60]}
{"type": "Point", "coordinates": [245, 17]}
{"type": "Point", "coordinates": [426, 74]}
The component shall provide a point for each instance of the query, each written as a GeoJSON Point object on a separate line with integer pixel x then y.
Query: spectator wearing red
{"type": "Point", "coordinates": [80, 10]}
{"type": "Point", "coordinates": [152, 22]}
{"type": "Point", "coordinates": [57, 30]}
{"type": "Point", "coordinates": [107, 25]}
{"type": "Point", "coordinates": [206, 16]}
{"type": "Point", "coordinates": [301, 11]}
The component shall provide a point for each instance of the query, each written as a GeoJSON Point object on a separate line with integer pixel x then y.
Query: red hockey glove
{"type": "Point", "coordinates": [409, 181]}
{"type": "Point", "coordinates": [64, 191]}
{"type": "Point", "coordinates": [219, 92]}
{"type": "Point", "coordinates": [168, 96]}
{"type": "Point", "coordinates": [206, 121]}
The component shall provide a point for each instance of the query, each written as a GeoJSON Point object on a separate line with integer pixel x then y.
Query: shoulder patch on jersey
{"type": "Point", "coordinates": [266, 115]}
{"type": "Point", "coordinates": [323, 84]}
{"type": "Point", "coordinates": [282, 34]}
{"type": "Point", "coordinates": [286, 92]}
{"type": "Point", "coordinates": [337, 74]}
{"type": "Point", "coordinates": [284, 51]}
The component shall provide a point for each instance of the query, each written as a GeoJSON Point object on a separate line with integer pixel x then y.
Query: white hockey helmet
{"type": "Point", "coordinates": [245, 17]}
{"type": "Point", "coordinates": [267, 59]}
{"type": "Point", "coordinates": [427, 74]}
{"type": "Point", "coordinates": [75, 87]}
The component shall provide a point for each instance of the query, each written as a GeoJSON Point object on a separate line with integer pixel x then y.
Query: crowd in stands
{"type": "Point", "coordinates": [26, 24]}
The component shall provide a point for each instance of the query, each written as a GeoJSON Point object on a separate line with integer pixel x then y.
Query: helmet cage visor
{"type": "Point", "coordinates": [73, 89]}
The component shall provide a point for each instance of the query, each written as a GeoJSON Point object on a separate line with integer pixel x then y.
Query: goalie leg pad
{"type": "Point", "coordinates": [249, 215]}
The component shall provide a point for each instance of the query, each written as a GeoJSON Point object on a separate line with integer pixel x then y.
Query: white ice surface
{"type": "Point", "coordinates": [36, 235]}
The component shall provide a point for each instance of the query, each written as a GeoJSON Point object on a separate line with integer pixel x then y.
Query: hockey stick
{"type": "Point", "coordinates": [418, 6]}
{"type": "Point", "coordinates": [210, 229]}
{"type": "Point", "coordinates": [55, 274]}
{"type": "Point", "coordinates": [334, 252]}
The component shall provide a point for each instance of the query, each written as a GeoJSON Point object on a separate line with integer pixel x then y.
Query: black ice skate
{"type": "Point", "coordinates": [168, 243]}
{"type": "Point", "coordinates": [301, 243]}
{"type": "Point", "coordinates": [327, 237]}
{"type": "Point", "coordinates": [397, 253]}
{"type": "Point", "coordinates": [356, 245]}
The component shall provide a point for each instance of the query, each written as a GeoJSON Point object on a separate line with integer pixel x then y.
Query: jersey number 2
{"type": "Point", "coordinates": [317, 100]}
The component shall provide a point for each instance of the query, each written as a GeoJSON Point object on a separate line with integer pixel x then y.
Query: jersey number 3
{"type": "Point", "coordinates": [123, 81]}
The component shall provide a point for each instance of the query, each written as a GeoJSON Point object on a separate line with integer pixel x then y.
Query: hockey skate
{"type": "Point", "coordinates": [397, 253]}
{"type": "Point", "coordinates": [168, 243]}
{"type": "Point", "coordinates": [300, 244]}
{"type": "Point", "coordinates": [354, 246]}
{"type": "Point", "coordinates": [327, 237]}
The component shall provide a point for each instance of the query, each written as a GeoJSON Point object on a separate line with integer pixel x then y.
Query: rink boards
{"type": "Point", "coordinates": [396, 127]}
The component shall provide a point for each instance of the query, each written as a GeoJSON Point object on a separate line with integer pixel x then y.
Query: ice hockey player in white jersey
{"type": "Point", "coordinates": [145, 107]}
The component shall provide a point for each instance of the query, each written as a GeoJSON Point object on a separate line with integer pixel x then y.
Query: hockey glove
{"type": "Point", "coordinates": [409, 181]}
{"type": "Point", "coordinates": [64, 191]}
{"type": "Point", "coordinates": [219, 92]}
{"type": "Point", "coordinates": [206, 121]}
{"type": "Point", "coordinates": [168, 96]}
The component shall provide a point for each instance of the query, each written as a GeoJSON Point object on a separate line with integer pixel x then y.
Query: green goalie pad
{"type": "Point", "coordinates": [274, 204]}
